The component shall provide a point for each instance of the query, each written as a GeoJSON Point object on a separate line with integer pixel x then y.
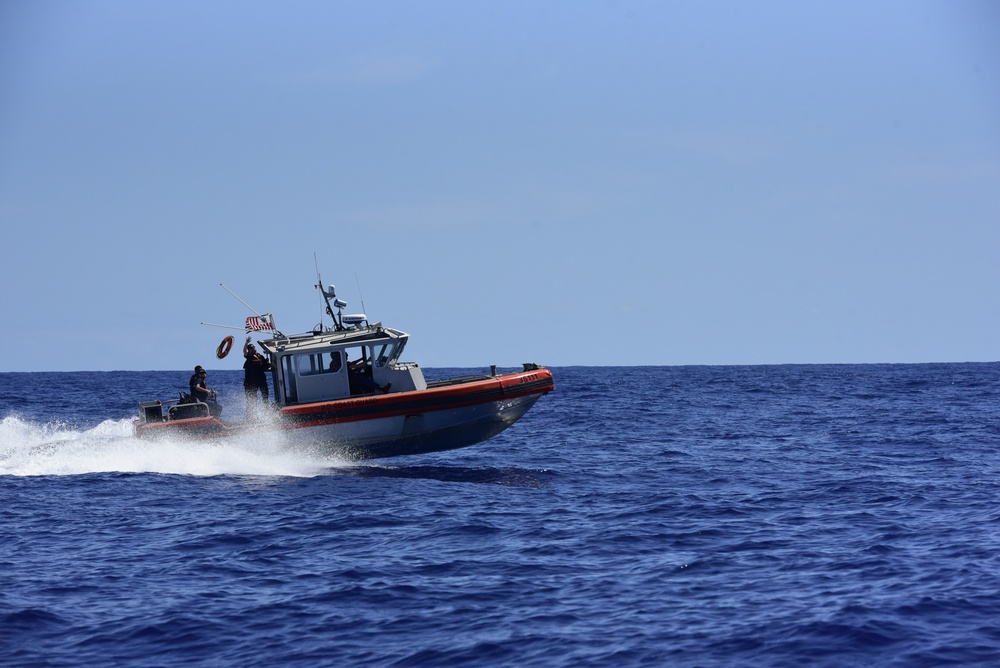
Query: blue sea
{"type": "Point", "coordinates": [813, 515]}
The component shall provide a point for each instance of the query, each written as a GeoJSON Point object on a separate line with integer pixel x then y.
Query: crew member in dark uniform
{"type": "Point", "coordinates": [254, 379]}
{"type": "Point", "coordinates": [200, 391]}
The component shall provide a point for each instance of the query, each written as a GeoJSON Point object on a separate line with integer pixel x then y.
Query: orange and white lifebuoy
{"type": "Point", "coordinates": [224, 347]}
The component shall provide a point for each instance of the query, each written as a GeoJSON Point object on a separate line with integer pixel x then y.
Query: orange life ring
{"type": "Point", "coordinates": [224, 347]}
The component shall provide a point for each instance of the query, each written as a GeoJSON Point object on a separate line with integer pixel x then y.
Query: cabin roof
{"type": "Point", "coordinates": [325, 340]}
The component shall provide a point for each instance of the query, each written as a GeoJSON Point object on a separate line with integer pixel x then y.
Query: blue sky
{"type": "Point", "coordinates": [593, 183]}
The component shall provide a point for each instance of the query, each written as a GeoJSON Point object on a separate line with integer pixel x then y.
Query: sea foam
{"type": "Point", "coordinates": [33, 449]}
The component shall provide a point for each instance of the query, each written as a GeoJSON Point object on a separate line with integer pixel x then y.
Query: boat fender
{"type": "Point", "coordinates": [224, 347]}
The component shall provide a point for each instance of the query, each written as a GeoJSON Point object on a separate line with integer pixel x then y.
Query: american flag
{"type": "Point", "coordinates": [257, 324]}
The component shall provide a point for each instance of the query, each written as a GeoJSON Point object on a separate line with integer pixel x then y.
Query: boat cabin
{"type": "Point", "coordinates": [330, 365]}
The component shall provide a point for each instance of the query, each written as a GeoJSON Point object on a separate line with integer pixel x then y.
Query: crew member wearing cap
{"type": "Point", "coordinates": [200, 391]}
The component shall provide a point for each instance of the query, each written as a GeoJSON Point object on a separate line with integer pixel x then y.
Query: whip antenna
{"type": "Point", "coordinates": [358, 280]}
{"type": "Point", "coordinates": [319, 286]}
{"type": "Point", "coordinates": [240, 300]}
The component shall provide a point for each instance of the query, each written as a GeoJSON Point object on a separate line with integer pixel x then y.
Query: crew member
{"type": "Point", "coordinates": [254, 379]}
{"type": "Point", "coordinates": [201, 392]}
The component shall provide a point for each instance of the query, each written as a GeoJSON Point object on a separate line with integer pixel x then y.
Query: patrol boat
{"type": "Point", "coordinates": [344, 390]}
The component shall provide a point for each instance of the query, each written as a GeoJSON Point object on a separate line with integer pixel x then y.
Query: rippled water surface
{"type": "Point", "coordinates": [702, 516]}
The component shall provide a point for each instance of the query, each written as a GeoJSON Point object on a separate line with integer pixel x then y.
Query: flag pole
{"type": "Point", "coordinates": [215, 324]}
{"type": "Point", "coordinates": [240, 300]}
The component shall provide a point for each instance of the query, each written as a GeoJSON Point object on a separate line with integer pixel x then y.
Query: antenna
{"type": "Point", "coordinates": [328, 294]}
{"type": "Point", "coordinates": [240, 300]}
{"type": "Point", "coordinates": [363, 309]}
{"type": "Point", "coordinates": [319, 286]}
{"type": "Point", "coordinates": [215, 324]}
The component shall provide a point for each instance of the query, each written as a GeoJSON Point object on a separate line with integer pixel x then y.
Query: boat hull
{"type": "Point", "coordinates": [415, 433]}
{"type": "Point", "coordinates": [445, 416]}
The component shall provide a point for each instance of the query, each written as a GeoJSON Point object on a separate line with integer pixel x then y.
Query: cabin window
{"type": "Point", "coordinates": [308, 365]}
{"type": "Point", "coordinates": [317, 363]}
{"type": "Point", "coordinates": [385, 354]}
{"type": "Point", "coordinates": [358, 357]}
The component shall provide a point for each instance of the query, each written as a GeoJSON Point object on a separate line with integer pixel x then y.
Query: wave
{"type": "Point", "coordinates": [52, 449]}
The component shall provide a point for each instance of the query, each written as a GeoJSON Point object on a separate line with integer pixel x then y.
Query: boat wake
{"type": "Point", "coordinates": [34, 449]}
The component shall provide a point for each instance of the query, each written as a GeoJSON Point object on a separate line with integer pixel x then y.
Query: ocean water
{"type": "Point", "coordinates": [685, 516]}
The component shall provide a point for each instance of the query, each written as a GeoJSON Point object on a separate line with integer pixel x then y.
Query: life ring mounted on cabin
{"type": "Point", "coordinates": [224, 347]}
